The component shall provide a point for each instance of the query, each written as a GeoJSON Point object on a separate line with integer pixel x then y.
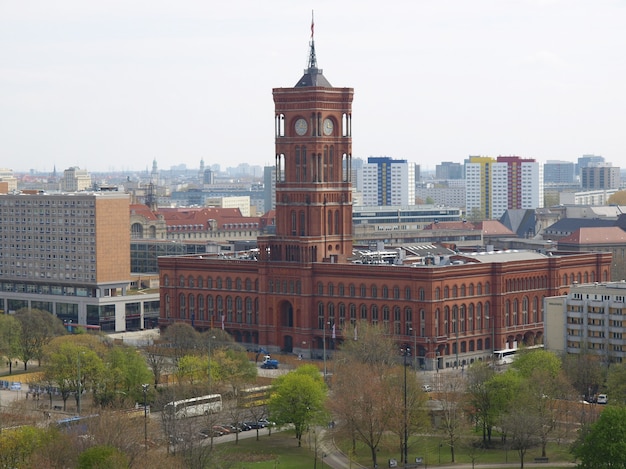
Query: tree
{"type": "Point", "coordinates": [298, 398]}
{"type": "Point", "coordinates": [361, 403]}
{"type": "Point", "coordinates": [616, 383]}
{"type": "Point", "coordinates": [373, 346]}
{"type": "Point", "coordinates": [10, 332]}
{"type": "Point", "coordinates": [521, 424]}
{"type": "Point", "coordinates": [38, 329]}
{"type": "Point", "coordinates": [529, 361]}
{"type": "Point", "coordinates": [480, 397]}
{"type": "Point", "coordinates": [182, 339]}
{"type": "Point", "coordinates": [125, 370]}
{"type": "Point", "coordinates": [584, 370]}
{"type": "Point", "coordinates": [452, 419]}
{"type": "Point", "coordinates": [192, 369]}
{"type": "Point", "coordinates": [603, 444]}
{"type": "Point", "coordinates": [618, 198]}
{"type": "Point", "coordinates": [234, 367]}
{"type": "Point", "coordinates": [73, 368]}
{"type": "Point", "coordinates": [156, 361]}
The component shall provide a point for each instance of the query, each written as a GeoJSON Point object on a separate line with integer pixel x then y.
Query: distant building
{"type": "Point", "coordinates": [75, 179]}
{"type": "Point", "coordinates": [508, 182]}
{"type": "Point", "coordinates": [600, 177]}
{"type": "Point", "coordinates": [559, 172]}
{"type": "Point", "coordinates": [588, 160]}
{"type": "Point", "coordinates": [385, 181]}
{"type": "Point", "coordinates": [449, 170]}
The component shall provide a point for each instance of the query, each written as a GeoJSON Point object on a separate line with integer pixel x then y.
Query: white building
{"type": "Point", "coordinates": [384, 181]}
{"type": "Point", "coordinates": [508, 182]}
{"type": "Point", "coordinates": [75, 179]}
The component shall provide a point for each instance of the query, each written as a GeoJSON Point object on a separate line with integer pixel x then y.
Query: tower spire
{"type": "Point", "coordinates": [312, 58]}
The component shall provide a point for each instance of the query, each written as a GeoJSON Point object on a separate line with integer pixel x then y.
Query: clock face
{"type": "Point", "coordinates": [301, 126]}
{"type": "Point", "coordinates": [328, 127]}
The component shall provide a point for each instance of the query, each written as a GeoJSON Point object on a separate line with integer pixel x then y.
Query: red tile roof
{"type": "Point", "coordinates": [596, 235]}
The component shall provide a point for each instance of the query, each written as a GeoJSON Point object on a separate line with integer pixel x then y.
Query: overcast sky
{"type": "Point", "coordinates": [115, 84]}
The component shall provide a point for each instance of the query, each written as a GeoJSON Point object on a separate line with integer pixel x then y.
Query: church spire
{"type": "Point", "coordinates": [313, 76]}
{"type": "Point", "coordinates": [312, 58]}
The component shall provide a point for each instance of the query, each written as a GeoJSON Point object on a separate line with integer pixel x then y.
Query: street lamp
{"type": "Point", "coordinates": [209, 361]}
{"type": "Point", "coordinates": [144, 388]}
{"type": "Point", "coordinates": [493, 338]}
{"type": "Point", "coordinates": [79, 387]}
{"type": "Point", "coordinates": [414, 347]}
{"type": "Point", "coordinates": [406, 352]}
{"type": "Point", "coordinates": [325, 323]}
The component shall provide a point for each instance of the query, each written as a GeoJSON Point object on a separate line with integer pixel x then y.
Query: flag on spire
{"type": "Point", "coordinates": [312, 24]}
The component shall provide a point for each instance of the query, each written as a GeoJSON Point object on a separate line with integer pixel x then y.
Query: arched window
{"type": "Point", "coordinates": [421, 294]}
{"type": "Point", "coordinates": [364, 312]}
{"type": "Point", "coordinates": [181, 306]}
{"type": "Point", "coordinates": [166, 280]}
{"type": "Point", "coordinates": [385, 291]}
{"type": "Point", "coordinates": [374, 314]}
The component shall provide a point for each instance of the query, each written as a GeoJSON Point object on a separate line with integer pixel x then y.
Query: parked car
{"type": "Point", "coordinates": [15, 387]}
{"type": "Point", "coordinates": [427, 388]}
{"type": "Point", "coordinates": [602, 399]}
{"type": "Point", "coordinates": [243, 426]}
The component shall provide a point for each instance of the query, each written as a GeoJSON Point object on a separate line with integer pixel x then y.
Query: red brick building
{"type": "Point", "coordinates": [301, 291]}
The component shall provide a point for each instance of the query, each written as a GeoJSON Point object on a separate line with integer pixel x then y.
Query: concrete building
{"type": "Point", "coordinates": [449, 170]}
{"type": "Point", "coordinates": [495, 185]}
{"type": "Point", "coordinates": [69, 254]}
{"type": "Point", "coordinates": [305, 289]}
{"type": "Point", "coordinates": [591, 317]}
{"type": "Point", "coordinates": [75, 179]}
{"type": "Point", "coordinates": [559, 172]}
{"type": "Point", "coordinates": [385, 181]}
{"type": "Point", "coordinates": [600, 177]}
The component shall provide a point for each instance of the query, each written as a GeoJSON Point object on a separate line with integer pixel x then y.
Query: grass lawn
{"type": "Point", "coordinates": [435, 452]}
{"type": "Point", "coordinates": [279, 450]}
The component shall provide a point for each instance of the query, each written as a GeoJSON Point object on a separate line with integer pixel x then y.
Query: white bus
{"type": "Point", "coordinates": [507, 355]}
{"type": "Point", "coordinates": [203, 405]}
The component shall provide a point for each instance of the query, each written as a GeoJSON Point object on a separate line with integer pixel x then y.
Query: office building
{"type": "Point", "coordinates": [68, 254]}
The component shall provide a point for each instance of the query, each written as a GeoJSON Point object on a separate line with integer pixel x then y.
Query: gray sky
{"type": "Point", "coordinates": [112, 85]}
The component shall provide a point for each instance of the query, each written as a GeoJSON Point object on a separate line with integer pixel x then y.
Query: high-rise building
{"type": "Point", "coordinates": [559, 172]}
{"type": "Point", "coordinates": [69, 253]}
{"type": "Point", "coordinates": [449, 170]}
{"type": "Point", "coordinates": [384, 181]}
{"type": "Point", "coordinates": [600, 176]}
{"type": "Point", "coordinates": [508, 182]}
{"type": "Point", "coordinates": [588, 160]}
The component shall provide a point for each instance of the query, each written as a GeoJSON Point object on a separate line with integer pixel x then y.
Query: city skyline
{"type": "Point", "coordinates": [112, 87]}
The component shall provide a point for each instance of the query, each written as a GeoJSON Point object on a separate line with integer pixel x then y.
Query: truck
{"type": "Point", "coordinates": [269, 363]}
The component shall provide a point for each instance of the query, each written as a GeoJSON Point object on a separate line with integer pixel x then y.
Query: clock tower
{"type": "Point", "coordinates": [313, 135]}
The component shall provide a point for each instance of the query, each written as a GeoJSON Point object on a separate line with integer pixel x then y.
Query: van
{"type": "Point", "coordinates": [602, 399]}
{"type": "Point", "coordinates": [15, 387]}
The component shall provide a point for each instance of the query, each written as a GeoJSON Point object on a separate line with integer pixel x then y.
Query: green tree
{"type": "Point", "coordinates": [616, 383]}
{"type": "Point", "coordinates": [298, 398]}
{"type": "Point", "coordinates": [234, 367]}
{"type": "Point", "coordinates": [18, 444]}
{"type": "Point", "coordinates": [10, 332]}
{"type": "Point", "coordinates": [38, 329]}
{"type": "Point", "coordinates": [73, 367]}
{"type": "Point", "coordinates": [529, 361]}
{"type": "Point", "coordinates": [191, 369]}
{"type": "Point", "coordinates": [125, 370]}
{"type": "Point", "coordinates": [603, 444]}
{"type": "Point", "coordinates": [585, 371]}
{"type": "Point", "coordinates": [480, 397]}
{"type": "Point", "coordinates": [521, 423]}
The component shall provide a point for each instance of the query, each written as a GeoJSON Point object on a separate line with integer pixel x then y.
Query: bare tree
{"type": "Point", "coordinates": [452, 416]}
